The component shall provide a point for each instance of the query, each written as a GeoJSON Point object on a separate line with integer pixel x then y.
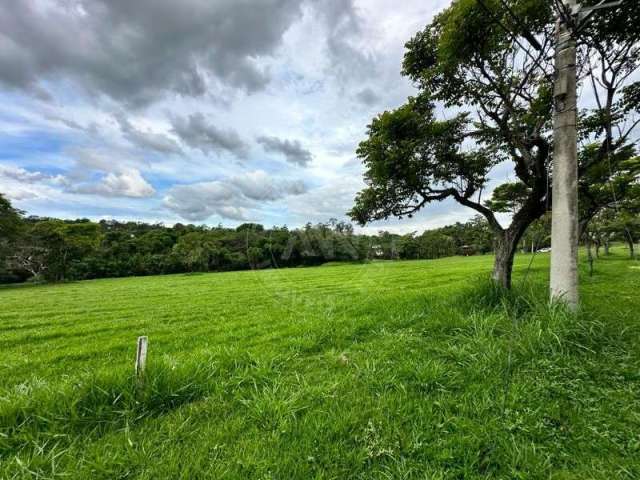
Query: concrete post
{"type": "Point", "coordinates": [564, 226]}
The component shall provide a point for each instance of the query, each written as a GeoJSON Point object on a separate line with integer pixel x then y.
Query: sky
{"type": "Point", "coordinates": [200, 111]}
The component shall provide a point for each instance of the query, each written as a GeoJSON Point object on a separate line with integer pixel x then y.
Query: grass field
{"type": "Point", "coordinates": [385, 370]}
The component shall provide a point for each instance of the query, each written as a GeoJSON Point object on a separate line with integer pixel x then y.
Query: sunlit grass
{"type": "Point", "coordinates": [382, 370]}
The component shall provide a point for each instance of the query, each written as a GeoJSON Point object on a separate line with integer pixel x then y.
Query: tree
{"type": "Point", "coordinates": [253, 227]}
{"type": "Point", "coordinates": [607, 182]}
{"type": "Point", "coordinates": [501, 96]}
{"type": "Point", "coordinates": [599, 234]}
{"type": "Point", "coordinates": [437, 244]}
{"type": "Point", "coordinates": [409, 246]}
{"type": "Point", "coordinates": [508, 197]}
{"type": "Point", "coordinates": [538, 234]}
{"type": "Point", "coordinates": [10, 222]}
{"type": "Point", "coordinates": [10, 218]}
{"type": "Point", "coordinates": [66, 244]}
{"type": "Point", "coordinates": [30, 257]}
{"type": "Point", "coordinates": [627, 220]}
{"type": "Point", "coordinates": [601, 230]}
{"type": "Point", "coordinates": [194, 250]}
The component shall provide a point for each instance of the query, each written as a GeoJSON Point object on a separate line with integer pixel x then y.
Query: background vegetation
{"type": "Point", "coordinates": [56, 250]}
{"type": "Point", "coordinates": [45, 249]}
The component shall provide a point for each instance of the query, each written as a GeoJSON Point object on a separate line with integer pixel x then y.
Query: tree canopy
{"type": "Point", "coordinates": [9, 218]}
{"type": "Point", "coordinates": [10, 221]}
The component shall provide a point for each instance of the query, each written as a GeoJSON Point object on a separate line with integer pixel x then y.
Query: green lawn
{"type": "Point", "coordinates": [386, 370]}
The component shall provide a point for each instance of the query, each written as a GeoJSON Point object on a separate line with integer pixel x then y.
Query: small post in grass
{"type": "Point", "coordinates": [141, 359]}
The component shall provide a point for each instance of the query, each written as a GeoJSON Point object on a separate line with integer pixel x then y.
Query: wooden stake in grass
{"type": "Point", "coordinates": [141, 359]}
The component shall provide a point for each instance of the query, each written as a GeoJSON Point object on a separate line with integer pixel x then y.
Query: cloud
{"type": "Point", "coordinates": [367, 96]}
{"type": "Point", "coordinates": [344, 24]}
{"type": "Point", "coordinates": [96, 172]}
{"type": "Point", "coordinates": [21, 184]}
{"type": "Point", "coordinates": [24, 176]}
{"type": "Point", "coordinates": [231, 199]}
{"type": "Point", "coordinates": [198, 133]}
{"type": "Point", "coordinates": [87, 160]}
{"type": "Point", "coordinates": [332, 200]}
{"type": "Point", "coordinates": [138, 51]}
{"type": "Point", "coordinates": [148, 140]}
{"type": "Point", "coordinates": [200, 201]}
{"type": "Point", "coordinates": [260, 186]}
{"type": "Point", "coordinates": [292, 150]}
{"type": "Point", "coordinates": [126, 183]}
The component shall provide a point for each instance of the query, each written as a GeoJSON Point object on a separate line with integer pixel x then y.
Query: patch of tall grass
{"type": "Point", "coordinates": [94, 404]}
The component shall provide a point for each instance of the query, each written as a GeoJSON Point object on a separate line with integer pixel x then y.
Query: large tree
{"type": "Point", "coordinates": [9, 218]}
{"type": "Point", "coordinates": [10, 222]}
{"type": "Point", "coordinates": [474, 63]}
{"type": "Point", "coordinates": [54, 248]}
{"type": "Point", "coordinates": [606, 184]}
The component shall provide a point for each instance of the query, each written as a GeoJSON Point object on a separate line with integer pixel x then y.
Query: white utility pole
{"type": "Point", "coordinates": [564, 214]}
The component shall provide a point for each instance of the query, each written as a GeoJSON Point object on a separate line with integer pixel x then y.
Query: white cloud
{"type": "Point", "coordinates": [261, 186]}
{"type": "Point", "coordinates": [232, 199]}
{"type": "Point", "coordinates": [200, 201]}
{"type": "Point", "coordinates": [25, 176]}
{"type": "Point", "coordinates": [331, 200]}
{"type": "Point", "coordinates": [20, 184]}
{"type": "Point", "coordinates": [126, 183]}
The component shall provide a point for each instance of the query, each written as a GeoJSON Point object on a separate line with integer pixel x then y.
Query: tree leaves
{"type": "Point", "coordinates": [412, 159]}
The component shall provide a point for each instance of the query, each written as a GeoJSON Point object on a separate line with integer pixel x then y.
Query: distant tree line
{"type": "Point", "coordinates": [48, 249]}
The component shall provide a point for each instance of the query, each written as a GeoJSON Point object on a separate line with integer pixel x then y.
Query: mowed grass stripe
{"type": "Point", "coordinates": [111, 306]}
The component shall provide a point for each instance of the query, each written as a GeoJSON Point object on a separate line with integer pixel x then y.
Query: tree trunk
{"type": "Point", "coordinates": [632, 253]}
{"type": "Point", "coordinates": [589, 256]}
{"type": "Point", "coordinates": [606, 247]}
{"type": "Point", "coordinates": [506, 246]}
